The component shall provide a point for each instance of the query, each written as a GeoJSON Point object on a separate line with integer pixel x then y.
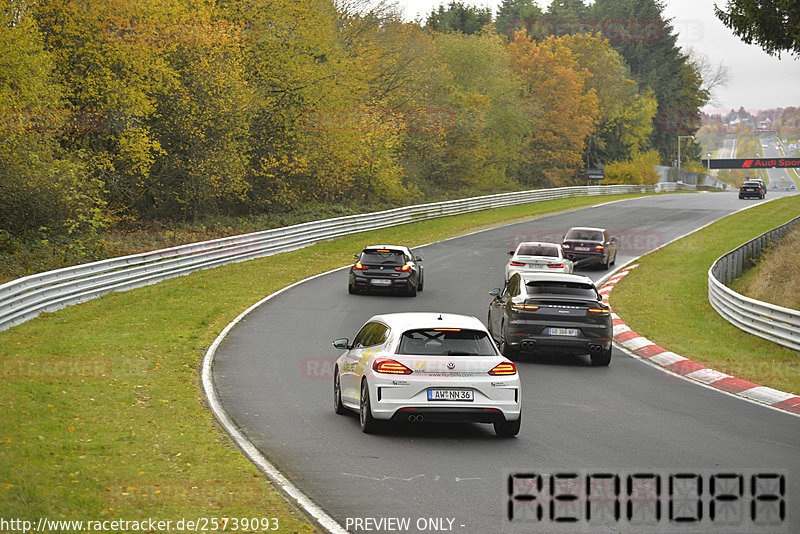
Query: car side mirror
{"type": "Point", "coordinates": [418, 258]}
{"type": "Point", "coordinates": [341, 343]}
{"type": "Point", "coordinates": [510, 252]}
{"type": "Point", "coordinates": [356, 256]}
{"type": "Point", "coordinates": [495, 292]}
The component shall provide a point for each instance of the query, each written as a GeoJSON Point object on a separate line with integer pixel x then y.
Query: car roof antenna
{"type": "Point", "coordinates": [440, 317]}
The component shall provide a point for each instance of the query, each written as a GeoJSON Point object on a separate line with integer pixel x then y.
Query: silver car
{"type": "Point", "coordinates": [426, 367]}
{"type": "Point", "coordinates": [537, 256]}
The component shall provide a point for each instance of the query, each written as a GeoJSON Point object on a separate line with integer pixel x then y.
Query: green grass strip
{"type": "Point", "coordinates": [665, 299]}
{"type": "Point", "coordinates": [102, 415]}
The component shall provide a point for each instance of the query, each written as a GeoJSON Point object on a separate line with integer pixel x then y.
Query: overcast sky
{"type": "Point", "coordinates": [756, 80]}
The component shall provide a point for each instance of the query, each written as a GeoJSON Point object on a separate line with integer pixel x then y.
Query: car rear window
{"type": "Point", "coordinates": [584, 235]}
{"type": "Point", "coordinates": [537, 250]}
{"type": "Point", "coordinates": [446, 342]}
{"type": "Point", "coordinates": [383, 257]}
{"type": "Point", "coordinates": [572, 289]}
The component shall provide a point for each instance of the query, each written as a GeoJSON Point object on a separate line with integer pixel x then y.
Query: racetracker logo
{"type": "Point", "coordinates": [53, 120]}
{"type": "Point", "coordinates": [198, 493]}
{"type": "Point", "coordinates": [188, 32]}
{"type": "Point", "coordinates": [55, 369]}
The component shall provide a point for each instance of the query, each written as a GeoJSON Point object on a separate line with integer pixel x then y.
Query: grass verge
{"type": "Point", "coordinates": [776, 276]}
{"type": "Point", "coordinates": [665, 299]}
{"type": "Point", "coordinates": [101, 412]}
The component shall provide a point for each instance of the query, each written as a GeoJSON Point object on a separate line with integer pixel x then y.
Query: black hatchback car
{"type": "Point", "coordinates": [551, 312]}
{"type": "Point", "coordinates": [388, 268]}
{"type": "Point", "coordinates": [752, 188]}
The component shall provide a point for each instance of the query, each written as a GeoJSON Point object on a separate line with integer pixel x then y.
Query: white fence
{"type": "Point", "coordinates": [775, 323]}
{"type": "Point", "coordinates": [25, 298]}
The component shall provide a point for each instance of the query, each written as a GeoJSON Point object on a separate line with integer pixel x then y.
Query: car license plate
{"type": "Point", "coordinates": [534, 266]}
{"type": "Point", "coordinates": [582, 249]}
{"type": "Point", "coordinates": [563, 331]}
{"type": "Point", "coordinates": [450, 395]}
{"type": "Point", "coordinates": [381, 282]}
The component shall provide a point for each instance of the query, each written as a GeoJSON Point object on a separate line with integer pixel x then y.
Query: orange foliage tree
{"type": "Point", "coordinates": [562, 109]}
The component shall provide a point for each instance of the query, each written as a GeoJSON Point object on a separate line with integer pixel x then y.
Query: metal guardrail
{"type": "Point", "coordinates": [775, 323]}
{"type": "Point", "coordinates": [25, 298]}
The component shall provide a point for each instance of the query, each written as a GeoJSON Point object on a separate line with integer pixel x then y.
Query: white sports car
{"type": "Point", "coordinates": [426, 367]}
{"type": "Point", "coordinates": [536, 256]}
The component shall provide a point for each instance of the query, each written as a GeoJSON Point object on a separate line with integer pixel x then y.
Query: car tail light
{"type": "Point", "coordinates": [385, 365]}
{"type": "Point", "coordinates": [505, 368]}
{"type": "Point", "coordinates": [359, 267]}
{"type": "Point", "coordinates": [599, 247]}
{"type": "Point", "coordinates": [404, 268]}
{"type": "Point", "coordinates": [447, 330]}
{"type": "Point", "coordinates": [524, 307]}
{"type": "Point", "coordinates": [602, 311]}
{"type": "Point", "coordinates": [516, 264]}
{"type": "Point", "coordinates": [556, 265]}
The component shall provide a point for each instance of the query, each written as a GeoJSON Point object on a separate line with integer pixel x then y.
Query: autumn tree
{"type": "Point", "coordinates": [482, 118]}
{"type": "Point", "coordinates": [562, 109]}
{"type": "Point", "coordinates": [625, 119]}
{"type": "Point", "coordinates": [45, 193]}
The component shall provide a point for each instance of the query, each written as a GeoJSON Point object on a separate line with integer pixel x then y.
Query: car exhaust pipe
{"type": "Point", "coordinates": [415, 418]}
{"type": "Point", "coordinates": [594, 349]}
{"type": "Point", "coordinates": [527, 345]}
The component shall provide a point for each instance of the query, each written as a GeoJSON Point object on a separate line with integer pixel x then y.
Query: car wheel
{"type": "Point", "coordinates": [601, 359]}
{"type": "Point", "coordinates": [351, 289]}
{"type": "Point", "coordinates": [507, 350]}
{"type": "Point", "coordinates": [412, 291]}
{"type": "Point", "coordinates": [508, 429]}
{"type": "Point", "coordinates": [615, 258]}
{"type": "Point", "coordinates": [421, 284]}
{"type": "Point", "coordinates": [338, 407]}
{"type": "Point", "coordinates": [368, 423]}
{"type": "Point", "coordinates": [606, 264]}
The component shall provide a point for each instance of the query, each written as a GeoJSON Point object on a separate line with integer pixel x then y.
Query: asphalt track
{"type": "Point", "coordinates": [779, 179]}
{"type": "Point", "coordinates": [274, 375]}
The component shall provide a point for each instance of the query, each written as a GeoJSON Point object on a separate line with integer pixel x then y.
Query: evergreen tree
{"type": "Point", "coordinates": [457, 17]}
{"type": "Point", "coordinates": [514, 15]}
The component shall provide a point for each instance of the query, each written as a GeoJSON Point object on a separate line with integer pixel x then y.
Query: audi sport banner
{"type": "Point", "coordinates": [762, 163]}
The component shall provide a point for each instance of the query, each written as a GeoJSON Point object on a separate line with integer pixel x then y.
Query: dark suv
{"type": "Point", "coordinates": [551, 312]}
{"type": "Point", "coordinates": [391, 268]}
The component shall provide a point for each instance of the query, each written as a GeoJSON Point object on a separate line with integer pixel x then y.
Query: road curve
{"type": "Point", "coordinates": [273, 375]}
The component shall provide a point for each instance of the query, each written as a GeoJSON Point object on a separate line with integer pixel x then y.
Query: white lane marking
{"type": "Point", "coordinates": [247, 447]}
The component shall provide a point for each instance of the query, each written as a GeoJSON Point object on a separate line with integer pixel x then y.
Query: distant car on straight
{"type": "Point", "coordinates": [386, 268]}
{"type": "Point", "coordinates": [537, 256]}
{"type": "Point", "coordinates": [426, 367]}
{"type": "Point", "coordinates": [551, 313]}
{"type": "Point", "coordinates": [751, 189]}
